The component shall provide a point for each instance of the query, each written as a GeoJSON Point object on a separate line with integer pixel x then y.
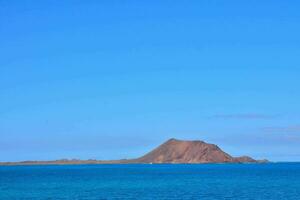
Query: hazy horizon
{"type": "Point", "coordinates": [114, 79]}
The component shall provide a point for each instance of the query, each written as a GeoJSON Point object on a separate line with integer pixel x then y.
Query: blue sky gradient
{"type": "Point", "coordinates": [113, 79]}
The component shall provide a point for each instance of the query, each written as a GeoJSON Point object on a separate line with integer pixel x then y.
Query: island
{"type": "Point", "coordinates": [173, 151]}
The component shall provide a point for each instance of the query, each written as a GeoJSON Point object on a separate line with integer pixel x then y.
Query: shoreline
{"type": "Point", "coordinates": [130, 163]}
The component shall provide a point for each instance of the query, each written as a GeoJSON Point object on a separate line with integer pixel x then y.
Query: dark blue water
{"type": "Point", "coordinates": [209, 181]}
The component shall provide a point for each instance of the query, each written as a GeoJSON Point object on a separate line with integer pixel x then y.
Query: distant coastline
{"type": "Point", "coordinates": [172, 151]}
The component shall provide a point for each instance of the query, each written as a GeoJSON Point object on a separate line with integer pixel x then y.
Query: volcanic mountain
{"type": "Point", "coordinates": [179, 151]}
{"type": "Point", "coordinates": [172, 151]}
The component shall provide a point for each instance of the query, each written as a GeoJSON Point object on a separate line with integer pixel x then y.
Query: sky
{"type": "Point", "coordinates": [114, 79]}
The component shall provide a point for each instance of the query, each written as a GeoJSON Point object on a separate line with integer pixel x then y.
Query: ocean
{"type": "Point", "coordinates": [274, 181]}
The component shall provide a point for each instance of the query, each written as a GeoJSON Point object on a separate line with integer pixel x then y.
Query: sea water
{"type": "Point", "coordinates": [276, 181]}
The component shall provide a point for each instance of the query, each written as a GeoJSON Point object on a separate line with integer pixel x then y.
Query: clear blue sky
{"type": "Point", "coordinates": [113, 79]}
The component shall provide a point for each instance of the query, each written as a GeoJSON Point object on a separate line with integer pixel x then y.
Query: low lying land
{"type": "Point", "coordinates": [172, 151]}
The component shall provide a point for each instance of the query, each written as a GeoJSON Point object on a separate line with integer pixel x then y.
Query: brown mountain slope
{"type": "Point", "coordinates": [178, 151]}
{"type": "Point", "coordinates": [245, 159]}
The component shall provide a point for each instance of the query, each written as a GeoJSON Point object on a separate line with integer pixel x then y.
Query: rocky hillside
{"type": "Point", "coordinates": [179, 151]}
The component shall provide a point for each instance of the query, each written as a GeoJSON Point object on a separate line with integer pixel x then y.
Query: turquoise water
{"type": "Point", "coordinates": [208, 181]}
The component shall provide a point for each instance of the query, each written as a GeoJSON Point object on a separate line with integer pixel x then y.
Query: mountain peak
{"type": "Point", "coordinates": [180, 141]}
{"type": "Point", "coordinates": [186, 151]}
